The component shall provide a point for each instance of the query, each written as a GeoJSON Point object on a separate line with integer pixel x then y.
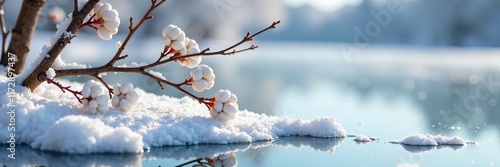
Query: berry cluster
{"type": "Point", "coordinates": [107, 20]}
{"type": "Point", "coordinates": [225, 106]}
{"type": "Point", "coordinates": [177, 43]}
{"type": "Point", "coordinates": [95, 98]}
{"type": "Point", "coordinates": [124, 97]}
{"type": "Point", "coordinates": [202, 78]}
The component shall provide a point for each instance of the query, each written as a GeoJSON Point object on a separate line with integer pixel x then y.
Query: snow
{"type": "Point", "coordinates": [118, 44]}
{"type": "Point", "coordinates": [430, 140]}
{"type": "Point", "coordinates": [134, 64]}
{"type": "Point", "coordinates": [157, 74]}
{"type": "Point", "coordinates": [50, 120]}
{"type": "Point", "coordinates": [362, 138]}
{"type": "Point", "coordinates": [91, 135]}
{"type": "Point", "coordinates": [50, 73]}
{"type": "Point", "coordinates": [59, 64]}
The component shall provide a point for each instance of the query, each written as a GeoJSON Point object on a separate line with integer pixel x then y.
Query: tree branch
{"type": "Point", "coordinates": [34, 79]}
{"type": "Point", "coordinates": [227, 51]}
{"type": "Point", "coordinates": [108, 68]}
{"type": "Point", "coordinates": [23, 32]}
{"type": "Point", "coordinates": [142, 69]}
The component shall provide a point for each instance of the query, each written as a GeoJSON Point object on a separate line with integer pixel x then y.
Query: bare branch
{"type": "Point", "coordinates": [110, 90]}
{"type": "Point", "coordinates": [228, 51]}
{"type": "Point", "coordinates": [133, 29]}
{"type": "Point", "coordinates": [141, 70]}
{"type": "Point", "coordinates": [206, 101]}
{"type": "Point", "coordinates": [109, 68]}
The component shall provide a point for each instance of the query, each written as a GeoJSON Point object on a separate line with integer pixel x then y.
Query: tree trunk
{"type": "Point", "coordinates": [23, 32]}
{"type": "Point", "coordinates": [35, 78]}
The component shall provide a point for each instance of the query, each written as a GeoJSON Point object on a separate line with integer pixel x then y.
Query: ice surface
{"type": "Point", "coordinates": [51, 120]}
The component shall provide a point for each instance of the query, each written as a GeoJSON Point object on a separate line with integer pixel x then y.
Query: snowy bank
{"type": "Point", "coordinates": [430, 140]}
{"type": "Point", "coordinates": [51, 120]}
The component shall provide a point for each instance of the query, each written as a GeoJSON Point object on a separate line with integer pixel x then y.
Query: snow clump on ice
{"type": "Point", "coordinates": [430, 140]}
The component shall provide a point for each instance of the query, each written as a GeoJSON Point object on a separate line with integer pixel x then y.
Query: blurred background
{"type": "Point", "coordinates": [413, 22]}
{"type": "Point", "coordinates": [387, 68]}
{"type": "Point", "coordinates": [430, 64]}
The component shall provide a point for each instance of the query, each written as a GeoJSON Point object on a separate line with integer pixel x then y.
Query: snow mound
{"type": "Point", "coordinates": [50, 120]}
{"type": "Point", "coordinates": [81, 134]}
{"type": "Point", "coordinates": [430, 140]}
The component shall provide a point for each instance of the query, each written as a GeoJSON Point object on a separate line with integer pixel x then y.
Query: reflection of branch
{"type": "Point", "coordinates": [5, 32]}
{"type": "Point", "coordinates": [198, 160]}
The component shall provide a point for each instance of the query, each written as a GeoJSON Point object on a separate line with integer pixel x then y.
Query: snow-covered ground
{"type": "Point", "coordinates": [50, 120]}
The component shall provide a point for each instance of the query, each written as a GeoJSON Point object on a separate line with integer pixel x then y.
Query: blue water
{"type": "Point", "coordinates": [385, 92]}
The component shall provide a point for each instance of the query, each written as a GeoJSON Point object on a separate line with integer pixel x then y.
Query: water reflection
{"type": "Point", "coordinates": [221, 160]}
{"type": "Point", "coordinates": [421, 149]}
{"type": "Point", "coordinates": [25, 156]}
{"type": "Point", "coordinates": [199, 154]}
{"type": "Point", "coordinates": [318, 144]}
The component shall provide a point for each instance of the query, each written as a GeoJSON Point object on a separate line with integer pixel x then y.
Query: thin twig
{"type": "Point", "coordinates": [248, 37]}
{"type": "Point", "coordinates": [110, 90]}
{"type": "Point", "coordinates": [5, 32]}
{"type": "Point", "coordinates": [63, 88]}
{"type": "Point", "coordinates": [201, 100]}
{"type": "Point", "coordinates": [133, 29]}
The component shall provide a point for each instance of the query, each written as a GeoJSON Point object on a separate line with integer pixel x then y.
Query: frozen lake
{"type": "Point", "coordinates": [385, 92]}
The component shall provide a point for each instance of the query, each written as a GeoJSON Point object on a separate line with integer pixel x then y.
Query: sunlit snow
{"type": "Point", "coordinates": [51, 120]}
